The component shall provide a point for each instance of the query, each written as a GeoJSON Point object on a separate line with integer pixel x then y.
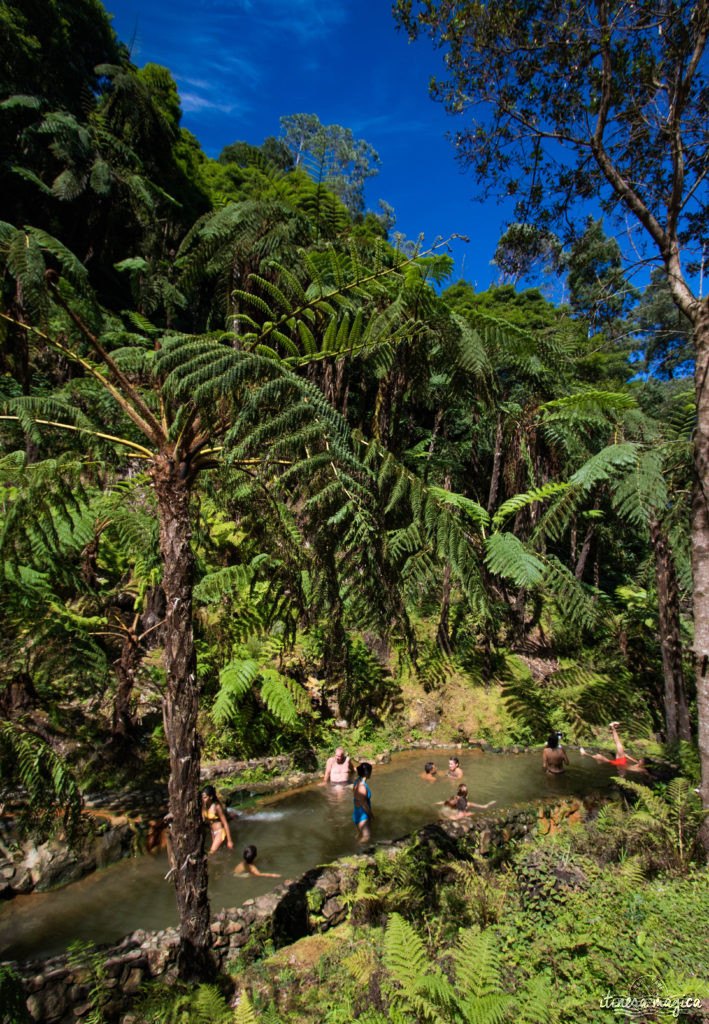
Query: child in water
{"type": "Point", "coordinates": [247, 866]}
{"type": "Point", "coordinates": [459, 804]}
{"type": "Point", "coordinates": [429, 772]}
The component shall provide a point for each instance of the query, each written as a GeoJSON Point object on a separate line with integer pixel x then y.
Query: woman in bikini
{"type": "Point", "coordinates": [213, 814]}
{"type": "Point", "coordinates": [362, 811]}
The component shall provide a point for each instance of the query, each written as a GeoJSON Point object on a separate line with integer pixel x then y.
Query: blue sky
{"type": "Point", "coordinates": [241, 64]}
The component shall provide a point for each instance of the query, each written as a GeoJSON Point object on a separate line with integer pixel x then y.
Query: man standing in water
{"type": "Point", "coordinates": [338, 768]}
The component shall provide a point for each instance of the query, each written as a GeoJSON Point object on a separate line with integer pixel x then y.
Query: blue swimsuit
{"type": "Point", "coordinates": [360, 814]}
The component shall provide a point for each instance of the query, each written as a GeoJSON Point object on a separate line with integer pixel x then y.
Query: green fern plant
{"type": "Point", "coordinates": [203, 1004]}
{"type": "Point", "coordinates": [669, 820]}
{"type": "Point", "coordinates": [421, 991]}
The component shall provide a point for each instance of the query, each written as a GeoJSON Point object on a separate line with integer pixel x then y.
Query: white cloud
{"type": "Point", "coordinates": [192, 102]}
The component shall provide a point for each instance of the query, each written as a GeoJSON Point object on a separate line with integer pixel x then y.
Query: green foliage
{"type": "Point", "coordinates": [203, 1004]}
{"type": "Point", "coordinates": [476, 995]}
{"type": "Point", "coordinates": [572, 698]}
{"type": "Point", "coordinates": [664, 826]}
{"type": "Point", "coordinates": [506, 556]}
{"type": "Point", "coordinates": [600, 931]}
{"type": "Point", "coordinates": [53, 798]}
{"type": "Point", "coordinates": [13, 1009]}
{"type": "Point", "coordinates": [90, 964]}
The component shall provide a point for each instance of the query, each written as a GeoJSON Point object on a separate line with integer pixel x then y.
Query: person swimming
{"type": "Point", "coordinates": [454, 769]}
{"type": "Point", "coordinates": [213, 814]}
{"type": "Point", "coordinates": [362, 810]}
{"type": "Point", "coordinates": [460, 804]}
{"type": "Point", "coordinates": [554, 757]}
{"type": "Point", "coordinates": [247, 866]}
{"type": "Point", "coordinates": [429, 772]}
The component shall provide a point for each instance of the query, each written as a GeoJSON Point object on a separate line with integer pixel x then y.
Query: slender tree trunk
{"type": "Point", "coordinates": [585, 550]}
{"type": "Point", "coordinates": [180, 706]}
{"type": "Point", "coordinates": [125, 679]}
{"type": "Point", "coordinates": [475, 471]}
{"type": "Point", "coordinates": [675, 700]}
{"type": "Point", "coordinates": [434, 434]}
{"type": "Point", "coordinates": [700, 544]}
{"type": "Point", "coordinates": [574, 538]}
{"type": "Point", "coordinates": [496, 463]}
{"type": "Point", "coordinates": [443, 632]}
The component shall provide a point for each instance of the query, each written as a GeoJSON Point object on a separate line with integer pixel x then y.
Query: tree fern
{"type": "Point", "coordinates": [641, 491]}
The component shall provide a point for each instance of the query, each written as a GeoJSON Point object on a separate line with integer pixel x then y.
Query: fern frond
{"type": "Point", "coordinates": [520, 501]}
{"type": "Point", "coordinates": [245, 1013]}
{"type": "Point", "coordinates": [506, 556]}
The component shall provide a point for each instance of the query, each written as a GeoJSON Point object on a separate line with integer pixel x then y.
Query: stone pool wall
{"type": "Point", "coordinates": [62, 989]}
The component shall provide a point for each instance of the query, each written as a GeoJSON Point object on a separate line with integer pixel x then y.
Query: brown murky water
{"type": "Point", "coordinates": [293, 831]}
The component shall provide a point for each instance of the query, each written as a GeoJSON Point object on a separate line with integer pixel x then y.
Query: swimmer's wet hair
{"type": "Point", "coordinates": [250, 854]}
{"type": "Point", "coordinates": [428, 766]}
{"type": "Point", "coordinates": [462, 790]}
{"type": "Point", "coordinates": [454, 760]}
{"type": "Point", "coordinates": [364, 769]}
{"type": "Point", "coordinates": [210, 791]}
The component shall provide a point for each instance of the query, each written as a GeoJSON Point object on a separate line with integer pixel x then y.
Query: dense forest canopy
{"type": "Point", "coordinates": [259, 462]}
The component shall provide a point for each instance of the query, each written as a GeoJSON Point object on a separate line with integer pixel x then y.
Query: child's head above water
{"type": "Point", "coordinates": [250, 854]}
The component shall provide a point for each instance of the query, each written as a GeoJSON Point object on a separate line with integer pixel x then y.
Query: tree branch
{"type": "Point", "coordinates": [153, 428]}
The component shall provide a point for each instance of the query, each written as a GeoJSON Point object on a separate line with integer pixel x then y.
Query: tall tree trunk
{"type": "Point", "coordinates": [675, 700]}
{"type": "Point", "coordinates": [438, 419]}
{"type": "Point", "coordinates": [700, 544]}
{"type": "Point", "coordinates": [172, 488]}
